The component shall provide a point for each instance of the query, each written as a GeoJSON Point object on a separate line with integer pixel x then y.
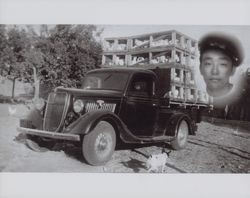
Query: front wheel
{"type": "Point", "coordinates": [98, 146]}
{"type": "Point", "coordinates": [181, 136]}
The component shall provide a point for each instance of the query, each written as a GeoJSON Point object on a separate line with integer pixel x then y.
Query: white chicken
{"type": "Point", "coordinates": [176, 93]}
{"type": "Point", "coordinates": [156, 163]}
{"type": "Point", "coordinates": [12, 110]}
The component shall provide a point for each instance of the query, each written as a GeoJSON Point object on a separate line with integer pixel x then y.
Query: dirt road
{"type": "Point", "coordinates": [213, 150]}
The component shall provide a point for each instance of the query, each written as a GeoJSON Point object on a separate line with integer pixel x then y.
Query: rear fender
{"type": "Point", "coordinates": [175, 119]}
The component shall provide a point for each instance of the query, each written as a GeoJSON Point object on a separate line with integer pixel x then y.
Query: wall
{"type": "Point", "coordinates": [20, 87]}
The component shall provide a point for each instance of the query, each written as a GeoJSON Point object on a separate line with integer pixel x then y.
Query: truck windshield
{"type": "Point", "coordinates": [108, 81]}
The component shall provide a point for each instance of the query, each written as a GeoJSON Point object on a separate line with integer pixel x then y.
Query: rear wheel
{"type": "Point", "coordinates": [99, 145]}
{"type": "Point", "coordinates": [181, 136]}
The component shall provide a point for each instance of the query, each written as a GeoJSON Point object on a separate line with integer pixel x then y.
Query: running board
{"type": "Point", "coordinates": [157, 138]}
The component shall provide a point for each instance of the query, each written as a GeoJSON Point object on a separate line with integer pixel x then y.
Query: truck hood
{"type": "Point", "coordinates": [81, 92]}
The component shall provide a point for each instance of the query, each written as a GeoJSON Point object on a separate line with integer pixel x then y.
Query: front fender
{"type": "Point", "coordinates": [88, 121]}
{"type": "Point", "coordinates": [36, 118]}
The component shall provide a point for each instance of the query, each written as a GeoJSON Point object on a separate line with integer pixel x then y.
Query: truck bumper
{"type": "Point", "coordinates": [49, 134]}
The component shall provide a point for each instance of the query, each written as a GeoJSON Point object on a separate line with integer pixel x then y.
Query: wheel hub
{"type": "Point", "coordinates": [102, 143]}
{"type": "Point", "coordinates": [183, 133]}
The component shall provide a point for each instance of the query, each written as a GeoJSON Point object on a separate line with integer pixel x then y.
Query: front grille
{"type": "Point", "coordinates": [92, 106]}
{"type": "Point", "coordinates": [56, 110]}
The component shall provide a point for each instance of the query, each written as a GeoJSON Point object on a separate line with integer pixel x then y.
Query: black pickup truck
{"type": "Point", "coordinates": [114, 105]}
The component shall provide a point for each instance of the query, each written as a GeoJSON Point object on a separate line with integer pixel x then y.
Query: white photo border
{"type": "Point", "coordinates": [151, 12]}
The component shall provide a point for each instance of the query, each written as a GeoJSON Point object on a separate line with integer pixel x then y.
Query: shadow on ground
{"type": "Point", "coordinates": [134, 164]}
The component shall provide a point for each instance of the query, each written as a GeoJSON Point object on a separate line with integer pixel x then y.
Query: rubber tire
{"type": "Point", "coordinates": [90, 144]}
{"type": "Point", "coordinates": [182, 136]}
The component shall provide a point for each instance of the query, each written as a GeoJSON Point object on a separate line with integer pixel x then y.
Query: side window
{"type": "Point", "coordinates": [141, 85]}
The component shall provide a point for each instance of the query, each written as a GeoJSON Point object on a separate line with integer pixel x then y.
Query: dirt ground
{"type": "Point", "coordinates": [214, 149]}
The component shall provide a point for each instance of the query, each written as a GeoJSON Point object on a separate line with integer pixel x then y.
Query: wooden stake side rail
{"type": "Point", "coordinates": [138, 50]}
{"type": "Point", "coordinates": [184, 104]}
{"type": "Point", "coordinates": [173, 37]}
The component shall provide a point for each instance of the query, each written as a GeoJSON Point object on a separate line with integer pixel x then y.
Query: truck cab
{"type": "Point", "coordinates": [126, 104]}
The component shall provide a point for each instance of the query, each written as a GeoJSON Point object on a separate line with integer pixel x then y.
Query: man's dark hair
{"type": "Point", "coordinates": [227, 44]}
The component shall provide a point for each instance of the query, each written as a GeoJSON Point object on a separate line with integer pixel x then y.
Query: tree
{"type": "Point", "coordinates": [34, 59]}
{"type": "Point", "coordinates": [53, 55]}
{"type": "Point", "coordinates": [3, 46]}
{"type": "Point", "coordinates": [70, 51]}
{"type": "Point", "coordinates": [15, 60]}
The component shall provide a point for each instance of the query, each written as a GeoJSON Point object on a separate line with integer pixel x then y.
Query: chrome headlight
{"type": "Point", "coordinates": [39, 104]}
{"type": "Point", "coordinates": [78, 106]}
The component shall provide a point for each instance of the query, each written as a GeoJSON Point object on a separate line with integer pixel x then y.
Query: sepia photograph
{"type": "Point", "coordinates": [125, 99]}
{"type": "Point", "coordinates": [103, 100]}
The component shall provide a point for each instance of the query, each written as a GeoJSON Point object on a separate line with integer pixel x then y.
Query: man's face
{"type": "Point", "coordinates": [216, 68]}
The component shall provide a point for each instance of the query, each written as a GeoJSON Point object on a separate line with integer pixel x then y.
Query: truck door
{"type": "Point", "coordinates": [141, 105]}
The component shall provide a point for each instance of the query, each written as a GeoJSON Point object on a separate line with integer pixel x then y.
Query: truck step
{"type": "Point", "coordinates": [162, 138]}
{"type": "Point", "coordinates": [156, 138]}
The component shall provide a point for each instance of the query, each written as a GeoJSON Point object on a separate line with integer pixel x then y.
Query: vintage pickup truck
{"type": "Point", "coordinates": [114, 105]}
